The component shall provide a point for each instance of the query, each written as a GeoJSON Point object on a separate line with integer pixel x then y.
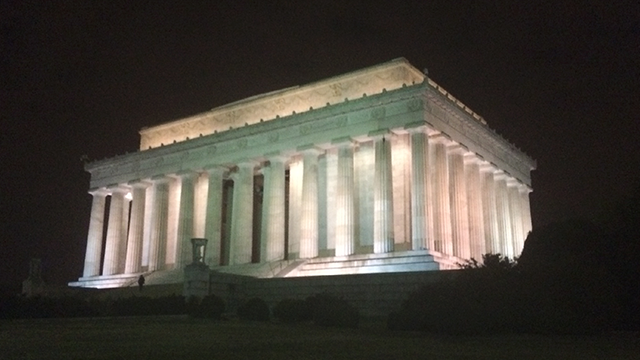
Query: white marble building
{"type": "Point", "coordinates": [378, 170]}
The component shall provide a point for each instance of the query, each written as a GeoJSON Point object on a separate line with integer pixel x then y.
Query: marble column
{"type": "Point", "coordinates": [114, 232]}
{"type": "Point", "coordinates": [295, 206]}
{"type": "Point", "coordinates": [124, 237]}
{"type": "Point", "coordinates": [474, 204]}
{"type": "Point", "coordinates": [136, 228]}
{"type": "Point", "coordinates": [213, 220]}
{"type": "Point", "coordinates": [309, 214]}
{"type": "Point", "coordinates": [332, 192]}
{"type": "Point", "coordinates": [526, 210]}
{"type": "Point", "coordinates": [420, 201]}
{"type": "Point", "coordinates": [442, 204]}
{"type": "Point", "coordinates": [242, 214]}
{"type": "Point", "coordinates": [515, 210]}
{"type": "Point", "coordinates": [383, 235]}
{"type": "Point", "coordinates": [159, 224]}
{"type": "Point", "coordinates": [345, 241]}
{"type": "Point", "coordinates": [459, 206]}
{"type": "Point", "coordinates": [94, 236]}
{"type": "Point", "coordinates": [489, 214]}
{"type": "Point", "coordinates": [273, 230]}
{"type": "Point", "coordinates": [185, 219]}
{"type": "Point", "coordinates": [503, 214]}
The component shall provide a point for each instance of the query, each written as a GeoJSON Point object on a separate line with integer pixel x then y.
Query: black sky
{"type": "Point", "coordinates": [558, 79]}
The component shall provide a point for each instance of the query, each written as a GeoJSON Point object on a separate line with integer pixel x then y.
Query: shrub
{"type": "Point", "coordinates": [292, 310]}
{"type": "Point", "coordinates": [193, 307]}
{"type": "Point", "coordinates": [328, 310]}
{"type": "Point", "coordinates": [212, 307]}
{"type": "Point", "coordinates": [255, 310]}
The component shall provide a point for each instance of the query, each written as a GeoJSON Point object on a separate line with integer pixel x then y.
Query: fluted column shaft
{"type": "Point", "coordinates": [159, 218]}
{"type": "Point", "coordinates": [459, 206]}
{"type": "Point", "coordinates": [309, 214]}
{"type": "Point", "coordinates": [474, 204]}
{"type": "Point", "coordinates": [295, 205]}
{"type": "Point", "coordinates": [489, 214]}
{"type": "Point", "coordinates": [515, 210]}
{"type": "Point", "coordinates": [213, 220]}
{"type": "Point", "coordinates": [242, 215]}
{"type": "Point", "coordinates": [185, 219]}
{"type": "Point", "coordinates": [526, 210]}
{"type": "Point", "coordinates": [345, 242]}
{"type": "Point", "coordinates": [442, 205]}
{"type": "Point", "coordinates": [272, 239]}
{"type": "Point", "coordinates": [94, 236]}
{"type": "Point", "coordinates": [503, 214]}
{"type": "Point", "coordinates": [383, 235]}
{"type": "Point", "coordinates": [136, 228]}
{"type": "Point", "coordinates": [419, 189]}
{"type": "Point", "coordinates": [114, 232]}
{"type": "Point", "coordinates": [124, 237]}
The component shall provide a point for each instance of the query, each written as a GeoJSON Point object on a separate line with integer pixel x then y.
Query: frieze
{"type": "Point", "coordinates": [321, 126]}
{"type": "Point", "coordinates": [378, 113]}
{"type": "Point", "coordinates": [414, 104]}
{"type": "Point", "coordinates": [273, 137]}
{"type": "Point", "coordinates": [184, 156]}
{"type": "Point", "coordinates": [242, 143]}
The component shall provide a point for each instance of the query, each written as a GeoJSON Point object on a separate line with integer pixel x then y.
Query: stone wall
{"type": "Point", "coordinates": [371, 294]}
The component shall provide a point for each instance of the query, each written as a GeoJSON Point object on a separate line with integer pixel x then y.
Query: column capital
{"type": "Point", "coordinates": [524, 189]}
{"type": "Point", "coordinates": [500, 175]}
{"type": "Point", "coordinates": [249, 165]}
{"type": "Point", "coordinates": [215, 169]}
{"type": "Point", "coordinates": [457, 148]}
{"type": "Point", "coordinates": [310, 149]}
{"type": "Point", "coordinates": [117, 188]}
{"type": "Point", "coordinates": [140, 184]}
{"type": "Point", "coordinates": [440, 138]}
{"type": "Point", "coordinates": [345, 141]}
{"type": "Point", "coordinates": [512, 182]}
{"type": "Point", "coordinates": [486, 166]}
{"type": "Point", "coordinates": [182, 174]}
{"type": "Point", "coordinates": [473, 158]}
{"type": "Point", "coordinates": [160, 179]}
{"type": "Point", "coordinates": [380, 134]}
{"type": "Point", "coordinates": [278, 159]}
{"type": "Point", "coordinates": [101, 191]}
{"type": "Point", "coordinates": [420, 127]}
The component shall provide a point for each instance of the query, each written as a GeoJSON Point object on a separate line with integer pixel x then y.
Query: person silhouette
{"type": "Point", "coordinates": [140, 282]}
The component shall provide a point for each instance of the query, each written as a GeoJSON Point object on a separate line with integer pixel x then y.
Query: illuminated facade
{"type": "Point", "coordinates": [378, 170]}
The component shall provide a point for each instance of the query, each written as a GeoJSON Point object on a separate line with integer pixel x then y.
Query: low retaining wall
{"type": "Point", "coordinates": [371, 294]}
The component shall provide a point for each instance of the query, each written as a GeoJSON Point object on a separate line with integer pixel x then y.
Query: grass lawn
{"type": "Point", "coordinates": [178, 337]}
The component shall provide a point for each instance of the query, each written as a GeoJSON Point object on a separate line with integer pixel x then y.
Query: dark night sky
{"type": "Point", "coordinates": [82, 77]}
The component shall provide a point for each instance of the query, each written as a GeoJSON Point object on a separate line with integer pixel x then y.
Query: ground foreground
{"type": "Point", "coordinates": [178, 337]}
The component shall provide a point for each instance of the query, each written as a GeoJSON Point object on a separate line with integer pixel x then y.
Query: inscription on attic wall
{"type": "Point", "coordinates": [268, 107]}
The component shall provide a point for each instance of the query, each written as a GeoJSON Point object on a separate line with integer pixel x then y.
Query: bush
{"type": "Point", "coordinates": [193, 308]}
{"type": "Point", "coordinates": [328, 310]}
{"type": "Point", "coordinates": [212, 307]}
{"type": "Point", "coordinates": [255, 310]}
{"type": "Point", "coordinates": [499, 297]}
{"type": "Point", "coordinates": [292, 310]}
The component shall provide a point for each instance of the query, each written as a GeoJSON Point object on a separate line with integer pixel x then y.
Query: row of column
{"type": "Point", "coordinates": [460, 205]}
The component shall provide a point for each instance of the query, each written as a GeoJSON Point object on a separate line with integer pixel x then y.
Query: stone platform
{"type": "Point", "coordinates": [403, 261]}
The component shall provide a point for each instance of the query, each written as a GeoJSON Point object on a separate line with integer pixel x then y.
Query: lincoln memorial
{"type": "Point", "coordinates": [375, 171]}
